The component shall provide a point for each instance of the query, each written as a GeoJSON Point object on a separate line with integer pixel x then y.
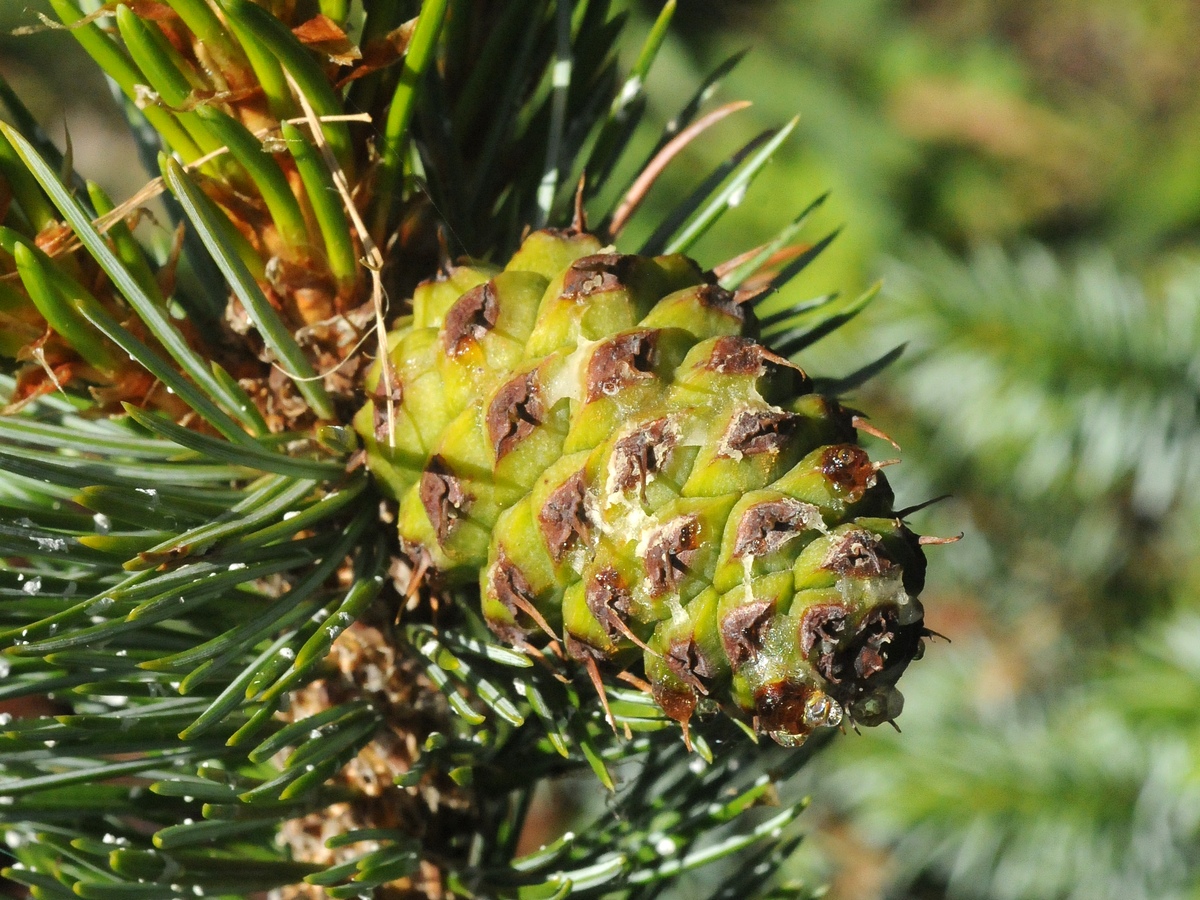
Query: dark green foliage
{"type": "Point", "coordinates": [1076, 380]}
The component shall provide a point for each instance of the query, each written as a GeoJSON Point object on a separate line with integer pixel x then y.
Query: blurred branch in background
{"type": "Point", "coordinates": [70, 92]}
{"type": "Point", "coordinates": [1069, 121]}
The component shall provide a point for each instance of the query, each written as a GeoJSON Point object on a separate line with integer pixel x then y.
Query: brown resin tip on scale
{"type": "Point", "coordinates": [621, 362]}
{"type": "Point", "coordinates": [871, 645]}
{"type": "Point", "coordinates": [765, 527]}
{"type": "Point", "coordinates": [609, 601]}
{"type": "Point", "coordinates": [689, 664]}
{"type": "Point", "coordinates": [733, 355]}
{"type": "Point", "coordinates": [858, 554]}
{"type": "Point", "coordinates": [864, 664]}
{"type": "Point", "coordinates": [821, 628]}
{"type": "Point", "coordinates": [849, 468]}
{"type": "Point", "coordinates": [716, 298]}
{"type": "Point", "coordinates": [671, 553]}
{"type": "Point", "coordinates": [389, 388]}
{"type": "Point", "coordinates": [608, 598]}
{"type": "Point", "coordinates": [471, 317]}
{"type": "Point", "coordinates": [444, 498]}
{"type": "Point", "coordinates": [382, 427]}
{"type": "Point", "coordinates": [641, 454]}
{"type": "Point", "coordinates": [822, 625]}
{"type": "Point", "coordinates": [680, 705]}
{"type": "Point", "coordinates": [510, 586]}
{"type": "Point", "coordinates": [596, 274]}
{"type": "Point", "coordinates": [754, 431]}
{"type": "Point", "coordinates": [563, 518]}
{"type": "Point", "coordinates": [515, 411]}
{"type": "Point", "coordinates": [780, 708]}
{"type": "Point", "coordinates": [744, 631]}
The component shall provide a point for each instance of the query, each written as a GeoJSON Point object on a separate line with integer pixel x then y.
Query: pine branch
{"type": "Point", "coordinates": [1074, 797]}
{"type": "Point", "coordinates": [1074, 379]}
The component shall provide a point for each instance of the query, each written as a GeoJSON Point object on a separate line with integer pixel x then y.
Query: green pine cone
{"type": "Point", "coordinates": [600, 440]}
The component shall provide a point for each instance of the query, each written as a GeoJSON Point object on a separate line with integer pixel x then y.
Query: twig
{"type": "Point", "coordinates": [373, 259]}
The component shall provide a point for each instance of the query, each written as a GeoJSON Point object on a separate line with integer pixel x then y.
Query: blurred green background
{"type": "Point", "coordinates": [1025, 177]}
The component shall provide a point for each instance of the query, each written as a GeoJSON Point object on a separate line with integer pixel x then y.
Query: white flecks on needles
{"type": "Point", "coordinates": [630, 90]}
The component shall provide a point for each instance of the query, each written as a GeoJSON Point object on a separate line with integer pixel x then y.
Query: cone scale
{"type": "Point", "coordinates": [602, 443]}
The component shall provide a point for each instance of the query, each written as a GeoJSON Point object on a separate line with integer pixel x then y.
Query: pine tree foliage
{"type": "Point", "coordinates": [1050, 753]}
{"type": "Point", "coordinates": [1034, 800]}
{"type": "Point", "coordinates": [231, 690]}
{"type": "Point", "coordinates": [1063, 380]}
